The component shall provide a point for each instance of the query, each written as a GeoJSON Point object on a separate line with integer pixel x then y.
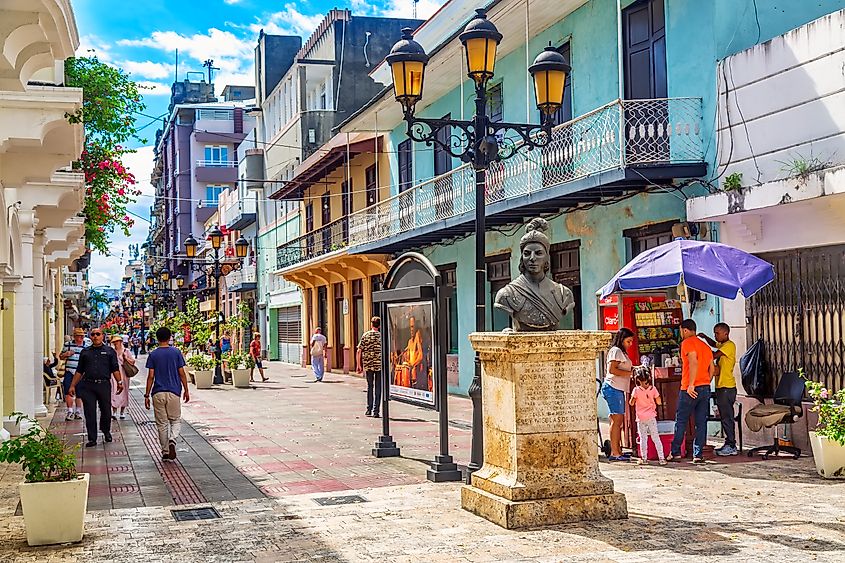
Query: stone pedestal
{"type": "Point", "coordinates": [540, 444]}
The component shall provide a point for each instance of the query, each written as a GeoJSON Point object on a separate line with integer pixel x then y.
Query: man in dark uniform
{"type": "Point", "coordinates": [96, 365]}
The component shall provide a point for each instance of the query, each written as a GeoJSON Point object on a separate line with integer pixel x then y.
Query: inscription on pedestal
{"type": "Point", "coordinates": [555, 397]}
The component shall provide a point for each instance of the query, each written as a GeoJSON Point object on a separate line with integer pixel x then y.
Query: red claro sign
{"type": "Point", "coordinates": [610, 318]}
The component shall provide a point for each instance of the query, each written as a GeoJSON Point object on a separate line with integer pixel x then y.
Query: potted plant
{"type": "Point", "coordinates": [203, 370]}
{"type": "Point", "coordinates": [828, 438]}
{"type": "Point", "coordinates": [54, 496]}
{"type": "Point", "coordinates": [240, 371]}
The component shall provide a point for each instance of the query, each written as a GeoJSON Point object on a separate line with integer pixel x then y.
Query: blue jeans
{"type": "Point", "coordinates": [699, 408]}
{"type": "Point", "coordinates": [319, 366]}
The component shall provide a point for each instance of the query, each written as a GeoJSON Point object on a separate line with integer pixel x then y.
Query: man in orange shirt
{"type": "Point", "coordinates": [694, 398]}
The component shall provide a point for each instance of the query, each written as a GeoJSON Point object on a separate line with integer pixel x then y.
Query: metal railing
{"type": "Point", "coordinates": [234, 210]}
{"type": "Point", "coordinates": [324, 240]}
{"type": "Point", "coordinates": [620, 134]}
{"type": "Point", "coordinates": [218, 163]}
{"type": "Point", "coordinates": [73, 283]}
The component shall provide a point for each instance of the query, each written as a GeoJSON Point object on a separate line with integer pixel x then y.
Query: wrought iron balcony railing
{"type": "Point", "coordinates": [217, 163]}
{"type": "Point", "coordinates": [623, 133]}
{"type": "Point", "coordinates": [332, 237]}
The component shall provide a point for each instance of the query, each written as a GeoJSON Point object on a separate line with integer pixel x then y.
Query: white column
{"type": "Point", "coordinates": [38, 319]}
{"type": "Point", "coordinates": [25, 372]}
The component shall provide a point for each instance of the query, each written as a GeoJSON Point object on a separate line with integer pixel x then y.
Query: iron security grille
{"type": "Point", "coordinates": [188, 514]}
{"type": "Point", "coordinates": [801, 315]}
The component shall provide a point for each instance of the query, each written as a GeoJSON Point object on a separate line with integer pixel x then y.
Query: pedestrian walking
{"type": "Point", "coordinates": [318, 354]}
{"type": "Point", "coordinates": [369, 363]}
{"type": "Point", "coordinates": [97, 365]}
{"type": "Point", "coordinates": [255, 352]}
{"type": "Point", "coordinates": [616, 383]}
{"type": "Point", "coordinates": [70, 355]}
{"type": "Point", "coordinates": [119, 401]}
{"type": "Point", "coordinates": [136, 344]}
{"type": "Point", "coordinates": [725, 355]}
{"type": "Point", "coordinates": [694, 397]}
{"type": "Point", "coordinates": [166, 382]}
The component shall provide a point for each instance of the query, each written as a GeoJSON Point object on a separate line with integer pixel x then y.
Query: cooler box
{"type": "Point", "coordinates": [666, 430]}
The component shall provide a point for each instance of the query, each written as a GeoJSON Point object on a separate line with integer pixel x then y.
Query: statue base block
{"type": "Point", "coordinates": [540, 451]}
{"type": "Point", "coordinates": [542, 512]}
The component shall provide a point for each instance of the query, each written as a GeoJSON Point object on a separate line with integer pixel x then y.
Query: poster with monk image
{"type": "Point", "coordinates": [411, 339]}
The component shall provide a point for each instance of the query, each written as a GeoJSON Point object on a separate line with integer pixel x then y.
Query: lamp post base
{"type": "Point", "coordinates": [443, 470]}
{"type": "Point", "coordinates": [385, 447]}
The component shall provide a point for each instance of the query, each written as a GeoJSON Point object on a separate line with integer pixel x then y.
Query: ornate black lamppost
{"type": "Point", "coordinates": [478, 145]}
{"type": "Point", "coordinates": [216, 270]}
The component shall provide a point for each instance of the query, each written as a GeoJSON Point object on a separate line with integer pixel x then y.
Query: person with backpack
{"type": "Point", "coordinates": [318, 354]}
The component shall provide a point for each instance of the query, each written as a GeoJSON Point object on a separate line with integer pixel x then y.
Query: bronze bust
{"type": "Point", "coordinates": [534, 301]}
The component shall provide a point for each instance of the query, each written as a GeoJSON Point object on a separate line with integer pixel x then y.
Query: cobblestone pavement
{"type": "Point", "coordinates": [297, 442]}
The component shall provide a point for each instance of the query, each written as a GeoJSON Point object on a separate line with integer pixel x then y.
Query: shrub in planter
{"type": "Point", "coordinates": [828, 438]}
{"type": "Point", "coordinates": [54, 496]}
{"type": "Point", "coordinates": [240, 371]}
{"type": "Point", "coordinates": [203, 370]}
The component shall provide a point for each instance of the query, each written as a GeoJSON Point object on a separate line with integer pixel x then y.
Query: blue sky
{"type": "Point", "coordinates": [142, 37]}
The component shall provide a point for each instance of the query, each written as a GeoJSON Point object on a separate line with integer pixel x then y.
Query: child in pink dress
{"type": "Point", "coordinates": [645, 398]}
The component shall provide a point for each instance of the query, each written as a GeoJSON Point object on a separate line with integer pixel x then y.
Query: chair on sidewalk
{"type": "Point", "coordinates": [49, 384]}
{"type": "Point", "coordinates": [786, 409]}
{"type": "Point", "coordinates": [737, 418]}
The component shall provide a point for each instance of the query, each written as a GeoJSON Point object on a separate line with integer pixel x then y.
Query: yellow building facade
{"type": "Point", "coordinates": [347, 174]}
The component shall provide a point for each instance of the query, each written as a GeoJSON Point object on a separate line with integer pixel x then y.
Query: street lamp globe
{"type": "Point", "coordinates": [241, 247]}
{"type": "Point", "coordinates": [191, 245]}
{"type": "Point", "coordinates": [549, 72]}
{"type": "Point", "coordinates": [407, 60]}
{"type": "Point", "coordinates": [165, 275]}
{"type": "Point", "coordinates": [180, 281]}
{"type": "Point", "coordinates": [480, 38]}
{"type": "Point", "coordinates": [150, 280]}
{"type": "Point", "coordinates": [216, 237]}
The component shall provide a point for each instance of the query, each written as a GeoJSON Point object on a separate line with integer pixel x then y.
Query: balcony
{"type": "Point", "coordinates": [621, 147]}
{"type": "Point", "coordinates": [216, 171]}
{"type": "Point", "coordinates": [241, 280]}
{"type": "Point", "coordinates": [73, 284]}
{"type": "Point", "coordinates": [239, 213]}
{"type": "Point", "coordinates": [323, 241]}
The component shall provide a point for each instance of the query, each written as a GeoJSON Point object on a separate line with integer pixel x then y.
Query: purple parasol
{"type": "Point", "coordinates": [709, 267]}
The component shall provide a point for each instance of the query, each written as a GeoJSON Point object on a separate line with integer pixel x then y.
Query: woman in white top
{"type": "Point", "coordinates": [617, 382]}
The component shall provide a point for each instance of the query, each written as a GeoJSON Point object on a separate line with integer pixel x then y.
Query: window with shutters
{"type": "Point", "coordinates": [450, 278]}
{"type": "Point", "coordinates": [406, 165]}
{"type": "Point", "coordinates": [372, 188]}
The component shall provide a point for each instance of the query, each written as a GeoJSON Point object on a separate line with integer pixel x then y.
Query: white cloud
{"type": "Point", "coordinates": [290, 21]}
{"type": "Point", "coordinates": [232, 2]}
{"type": "Point", "coordinates": [200, 46]}
{"type": "Point", "coordinates": [147, 69]}
{"type": "Point", "coordinates": [92, 45]}
{"type": "Point", "coordinates": [402, 9]}
{"type": "Point", "coordinates": [150, 88]}
{"type": "Point", "coordinates": [108, 270]}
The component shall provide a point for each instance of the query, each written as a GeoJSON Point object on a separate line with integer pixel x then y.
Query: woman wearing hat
{"type": "Point", "coordinates": [120, 400]}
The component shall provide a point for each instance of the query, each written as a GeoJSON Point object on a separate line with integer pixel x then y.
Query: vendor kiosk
{"type": "Point", "coordinates": [655, 318]}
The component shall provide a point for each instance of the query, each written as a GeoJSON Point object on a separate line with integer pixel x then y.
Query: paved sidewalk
{"type": "Point", "coordinates": [261, 457]}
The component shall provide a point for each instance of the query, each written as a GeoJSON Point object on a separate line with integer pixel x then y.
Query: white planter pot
{"type": "Point", "coordinates": [204, 378]}
{"type": "Point", "coordinates": [54, 512]}
{"type": "Point", "coordinates": [829, 457]}
{"type": "Point", "coordinates": [240, 377]}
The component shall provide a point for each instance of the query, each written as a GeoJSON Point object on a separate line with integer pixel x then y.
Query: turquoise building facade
{"type": "Point", "coordinates": [620, 191]}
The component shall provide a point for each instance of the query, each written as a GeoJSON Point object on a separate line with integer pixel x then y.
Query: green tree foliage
{"type": "Point", "coordinates": [109, 100]}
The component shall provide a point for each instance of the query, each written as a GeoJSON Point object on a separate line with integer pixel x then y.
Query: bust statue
{"type": "Point", "coordinates": [534, 301]}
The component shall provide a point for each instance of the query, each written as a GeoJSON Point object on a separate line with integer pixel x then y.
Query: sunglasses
{"type": "Point", "coordinates": [96, 334]}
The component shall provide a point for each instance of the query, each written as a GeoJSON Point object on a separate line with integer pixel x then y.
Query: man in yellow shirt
{"type": "Point", "coordinates": [725, 356]}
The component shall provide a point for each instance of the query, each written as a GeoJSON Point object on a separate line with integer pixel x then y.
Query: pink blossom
{"type": "Point", "coordinates": [824, 394]}
{"type": "Point", "coordinates": [121, 191]}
